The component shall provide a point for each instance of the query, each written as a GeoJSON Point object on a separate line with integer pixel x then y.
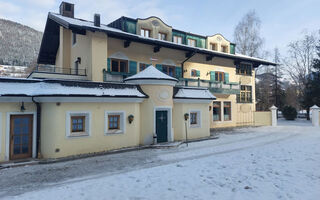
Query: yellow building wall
{"type": "Point", "coordinates": [53, 129]}
{"type": "Point", "coordinates": [155, 25]}
{"type": "Point", "coordinates": [193, 132]}
{"type": "Point", "coordinates": [263, 118]}
{"type": "Point", "coordinates": [219, 40]}
{"type": "Point", "coordinates": [4, 109]}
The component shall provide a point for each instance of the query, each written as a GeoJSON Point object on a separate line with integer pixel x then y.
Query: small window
{"type": "Point", "coordinates": [244, 69]}
{"type": "Point", "coordinates": [114, 122]}
{"type": "Point", "coordinates": [142, 66]}
{"type": "Point", "coordinates": [162, 36]}
{"type": "Point", "coordinates": [169, 70]}
{"type": "Point", "coordinates": [67, 7]}
{"type": "Point", "coordinates": [77, 124]}
{"type": "Point", "coordinates": [245, 95]}
{"type": "Point", "coordinates": [74, 38]}
{"type": "Point", "coordinates": [119, 65]}
{"type": "Point", "coordinates": [216, 111]}
{"type": "Point", "coordinates": [195, 120]}
{"type": "Point", "coordinates": [227, 111]}
{"type": "Point", "coordinates": [145, 32]}
{"type": "Point", "coordinates": [219, 76]}
{"type": "Point", "coordinates": [213, 46]}
{"type": "Point", "coordinates": [177, 39]}
{"type": "Point", "coordinates": [195, 73]}
{"type": "Point", "coordinates": [191, 42]}
{"type": "Point", "coordinates": [224, 48]}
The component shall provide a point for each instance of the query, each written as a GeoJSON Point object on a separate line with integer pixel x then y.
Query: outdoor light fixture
{"type": "Point", "coordinates": [22, 108]}
{"type": "Point", "coordinates": [186, 116]}
{"type": "Point", "coordinates": [130, 118]}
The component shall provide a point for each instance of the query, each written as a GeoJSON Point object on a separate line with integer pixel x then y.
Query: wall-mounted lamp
{"type": "Point", "coordinates": [185, 70]}
{"type": "Point", "coordinates": [22, 108]}
{"type": "Point", "coordinates": [208, 73]}
{"type": "Point", "coordinates": [130, 118]}
{"type": "Point", "coordinates": [78, 60]}
{"type": "Point", "coordinates": [209, 108]}
{"type": "Point", "coordinates": [186, 116]}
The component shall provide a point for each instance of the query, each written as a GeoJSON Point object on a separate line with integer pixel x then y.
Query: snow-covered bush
{"type": "Point", "coordinates": [289, 113]}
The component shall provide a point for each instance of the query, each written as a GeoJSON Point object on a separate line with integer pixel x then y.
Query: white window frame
{"type": "Point", "coordinates": [176, 39]}
{"type": "Point", "coordinates": [143, 32]}
{"type": "Point", "coordinates": [193, 41]}
{"type": "Point", "coordinates": [198, 125]}
{"type": "Point", "coordinates": [122, 129]}
{"type": "Point", "coordinates": [87, 132]}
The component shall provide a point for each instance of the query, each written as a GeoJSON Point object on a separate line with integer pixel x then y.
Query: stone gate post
{"type": "Point", "coordinates": [274, 115]}
{"type": "Point", "coordinates": [315, 115]}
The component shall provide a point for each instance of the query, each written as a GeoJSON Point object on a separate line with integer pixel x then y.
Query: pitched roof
{"type": "Point", "coordinates": [38, 88]}
{"type": "Point", "coordinates": [50, 42]}
{"type": "Point", "coordinates": [193, 93]}
{"type": "Point", "coordinates": [150, 73]}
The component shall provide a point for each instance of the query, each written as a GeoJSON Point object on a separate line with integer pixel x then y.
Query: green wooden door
{"type": "Point", "coordinates": [162, 126]}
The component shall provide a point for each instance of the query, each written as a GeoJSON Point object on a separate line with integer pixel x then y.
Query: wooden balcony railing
{"type": "Point", "coordinates": [61, 70]}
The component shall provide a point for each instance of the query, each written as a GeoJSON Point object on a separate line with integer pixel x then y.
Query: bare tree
{"type": "Point", "coordinates": [247, 35]}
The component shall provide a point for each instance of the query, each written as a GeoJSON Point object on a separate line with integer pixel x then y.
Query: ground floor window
{"type": "Point", "coordinates": [245, 95]}
{"type": "Point", "coordinates": [114, 122]}
{"type": "Point", "coordinates": [78, 124]}
{"type": "Point", "coordinates": [195, 119]}
{"type": "Point", "coordinates": [227, 111]}
{"type": "Point", "coordinates": [216, 111]}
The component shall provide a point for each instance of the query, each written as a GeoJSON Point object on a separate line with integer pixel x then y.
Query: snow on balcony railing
{"type": "Point", "coordinates": [61, 70]}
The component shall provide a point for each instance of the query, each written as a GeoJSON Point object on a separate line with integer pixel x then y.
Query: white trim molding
{"type": "Point", "coordinates": [169, 113]}
{"type": "Point", "coordinates": [34, 133]}
{"type": "Point", "coordinates": [87, 132]}
{"type": "Point", "coordinates": [89, 99]}
{"type": "Point", "coordinates": [200, 101]}
{"type": "Point", "coordinates": [199, 118]}
{"type": "Point", "coordinates": [123, 117]}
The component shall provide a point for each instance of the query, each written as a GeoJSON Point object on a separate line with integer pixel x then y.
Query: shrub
{"type": "Point", "coordinates": [289, 112]}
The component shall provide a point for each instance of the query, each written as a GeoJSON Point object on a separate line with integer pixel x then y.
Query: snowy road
{"type": "Point", "coordinates": [253, 163]}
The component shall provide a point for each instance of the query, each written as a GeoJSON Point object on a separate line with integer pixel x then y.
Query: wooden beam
{"type": "Point", "coordinates": [126, 43]}
{"type": "Point", "coordinates": [156, 49]}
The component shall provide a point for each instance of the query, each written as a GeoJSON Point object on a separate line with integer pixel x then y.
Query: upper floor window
{"type": "Point", "coordinates": [162, 36]}
{"type": "Point", "coordinates": [191, 42]}
{"type": "Point", "coordinates": [74, 38]}
{"type": "Point", "coordinates": [245, 95]}
{"type": "Point", "coordinates": [213, 46]}
{"type": "Point", "coordinates": [142, 66]}
{"type": "Point", "coordinates": [219, 76]}
{"type": "Point", "coordinates": [177, 39]}
{"type": "Point", "coordinates": [145, 32]}
{"type": "Point", "coordinates": [119, 65]}
{"type": "Point", "coordinates": [195, 73]}
{"type": "Point", "coordinates": [224, 48]}
{"type": "Point", "coordinates": [244, 69]}
{"type": "Point", "coordinates": [169, 70]}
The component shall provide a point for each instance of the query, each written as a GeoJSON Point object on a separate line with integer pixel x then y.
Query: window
{"type": "Point", "coordinates": [177, 39]}
{"type": "Point", "coordinates": [244, 69]}
{"type": "Point", "coordinates": [162, 36]}
{"type": "Point", "coordinates": [191, 42]}
{"type": "Point", "coordinates": [194, 118]}
{"type": "Point", "coordinates": [114, 122]}
{"type": "Point", "coordinates": [169, 70]}
{"type": "Point", "coordinates": [227, 111]}
{"type": "Point", "coordinates": [78, 124]}
{"type": "Point", "coordinates": [119, 65]}
{"type": "Point", "coordinates": [219, 76]}
{"type": "Point", "coordinates": [213, 46]}
{"type": "Point", "coordinates": [142, 66]}
{"type": "Point", "coordinates": [74, 38]}
{"type": "Point", "coordinates": [216, 111]}
{"type": "Point", "coordinates": [224, 48]}
{"type": "Point", "coordinates": [145, 32]}
{"type": "Point", "coordinates": [245, 95]}
{"type": "Point", "coordinates": [195, 73]}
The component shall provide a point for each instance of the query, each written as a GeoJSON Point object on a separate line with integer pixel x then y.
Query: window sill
{"type": "Point", "coordinates": [243, 74]}
{"type": "Point", "coordinates": [77, 135]}
{"type": "Point", "coordinates": [195, 126]}
{"type": "Point", "coordinates": [114, 132]}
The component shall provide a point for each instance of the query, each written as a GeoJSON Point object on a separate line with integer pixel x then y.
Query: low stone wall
{"type": "Point", "coordinates": [262, 118]}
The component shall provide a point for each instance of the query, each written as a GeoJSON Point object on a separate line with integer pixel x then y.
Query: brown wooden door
{"type": "Point", "coordinates": [21, 136]}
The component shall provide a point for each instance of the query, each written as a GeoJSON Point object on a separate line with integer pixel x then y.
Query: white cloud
{"type": "Point", "coordinates": [41, 3]}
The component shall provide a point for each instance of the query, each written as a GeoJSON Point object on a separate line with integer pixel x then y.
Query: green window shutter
{"type": "Point", "coordinates": [178, 72]}
{"type": "Point", "coordinates": [109, 65]}
{"type": "Point", "coordinates": [132, 67]}
{"type": "Point", "coordinates": [212, 76]}
{"type": "Point", "coordinates": [226, 77]}
{"type": "Point", "coordinates": [198, 73]}
{"type": "Point", "coordinates": [232, 49]}
{"type": "Point", "coordinates": [159, 67]}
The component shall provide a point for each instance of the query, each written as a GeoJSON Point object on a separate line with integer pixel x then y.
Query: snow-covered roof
{"type": "Point", "coordinates": [151, 73]}
{"type": "Point", "coordinates": [25, 87]}
{"type": "Point", "coordinates": [68, 22]}
{"type": "Point", "coordinates": [193, 93]}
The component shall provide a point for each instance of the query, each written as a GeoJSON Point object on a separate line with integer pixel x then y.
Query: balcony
{"type": "Point", "coordinates": [213, 86]}
{"type": "Point", "coordinates": [115, 76]}
{"type": "Point", "coordinates": [43, 72]}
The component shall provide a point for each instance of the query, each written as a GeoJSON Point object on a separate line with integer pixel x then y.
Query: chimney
{"type": "Point", "coordinates": [67, 9]}
{"type": "Point", "coordinates": [96, 20]}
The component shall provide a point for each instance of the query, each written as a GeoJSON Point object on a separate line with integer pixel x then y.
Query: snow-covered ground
{"type": "Point", "coordinates": [251, 163]}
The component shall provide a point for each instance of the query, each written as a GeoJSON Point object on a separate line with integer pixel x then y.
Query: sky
{"type": "Point", "coordinates": [282, 21]}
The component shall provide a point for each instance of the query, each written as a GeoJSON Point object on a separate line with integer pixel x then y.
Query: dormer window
{"type": "Point", "coordinates": [145, 32]}
{"type": "Point", "coordinates": [177, 39]}
{"type": "Point", "coordinates": [213, 46]}
{"type": "Point", "coordinates": [191, 42]}
{"type": "Point", "coordinates": [224, 48]}
{"type": "Point", "coordinates": [162, 36]}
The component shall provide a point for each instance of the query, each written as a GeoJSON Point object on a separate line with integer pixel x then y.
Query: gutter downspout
{"type": "Point", "coordinates": [182, 64]}
{"type": "Point", "coordinates": [38, 126]}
